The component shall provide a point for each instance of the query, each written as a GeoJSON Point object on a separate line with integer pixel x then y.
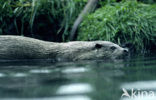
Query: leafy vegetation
{"type": "Point", "coordinates": [44, 19]}
{"type": "Point", "coordinates": [125, 22]}
{"type": "Point", "coordinates": [148, 1]}
{"type": "Point", "coordinates": [120, 21]}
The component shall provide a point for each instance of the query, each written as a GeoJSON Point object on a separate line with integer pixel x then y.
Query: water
{"type": "Point", "coordinates": [134, 78]}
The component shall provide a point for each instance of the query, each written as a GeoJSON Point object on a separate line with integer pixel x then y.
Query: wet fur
{"type": "Point", "coordinates": [19, 47]}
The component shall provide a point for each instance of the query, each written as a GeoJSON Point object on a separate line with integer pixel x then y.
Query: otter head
{"type": "Point", "coordinates": [103, 50]}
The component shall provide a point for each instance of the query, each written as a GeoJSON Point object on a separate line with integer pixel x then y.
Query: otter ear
{"type": "Point", "coordinates": [113, 48]}
{"type": "Point", "coordinates": [98, 46]}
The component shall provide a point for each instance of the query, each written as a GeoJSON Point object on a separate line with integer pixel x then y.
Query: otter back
{"type": "Point", "coordinates": [18, 47]}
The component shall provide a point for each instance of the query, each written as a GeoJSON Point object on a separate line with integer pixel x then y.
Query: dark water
{"type": "Point", "coordinates": [134, 78]}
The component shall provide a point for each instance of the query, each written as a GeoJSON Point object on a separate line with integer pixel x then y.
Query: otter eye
{"type": "Point", "coordinates": [113, 48]}
{"type": "Point", "coordinates": [98, 46]}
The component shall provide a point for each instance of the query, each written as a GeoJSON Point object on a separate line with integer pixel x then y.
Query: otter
{"type": "Point", "coordinates": [20, 47]}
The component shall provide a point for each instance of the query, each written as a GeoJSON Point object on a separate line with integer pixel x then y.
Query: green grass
{"type": "Point", "coordinates": [125, 22]}
{"type": "Point", "coordinates": [50, 19]}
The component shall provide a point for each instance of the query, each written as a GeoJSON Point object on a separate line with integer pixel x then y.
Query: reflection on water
{"type": "Point", "coordinates": [19, 75]}
{"type": "Point", "coordinates": [2, 75]}
{"type": "Point", "coordinates": [77, 88]}
{"type": "Point", "coordinates": [52, 98]}
{"type": "Point", "coordinates": [142, 98]}
{"type": "Point", "coordinates": [83, 80]}
{"type": "Point", "coordinates": [39, 71]}
{"type": "Point", "coordinates": [148, 85]}
{"type": "Point", "coordinates": [75, 70]}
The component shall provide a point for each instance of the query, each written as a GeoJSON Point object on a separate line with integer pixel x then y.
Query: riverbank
{"type": "Point", "coordinates": [126, 22]}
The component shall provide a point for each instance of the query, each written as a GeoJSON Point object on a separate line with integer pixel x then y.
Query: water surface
{"type": "Point", "coordinates": [83, 80]}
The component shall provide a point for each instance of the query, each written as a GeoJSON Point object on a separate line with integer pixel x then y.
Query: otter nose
{"type": "Point", "coordinates": [125, 51]}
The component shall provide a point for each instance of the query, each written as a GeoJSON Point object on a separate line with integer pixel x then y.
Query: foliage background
{"type": "Point", "coordinates": [126, 22]}
{"type": "Point", "coordinates": [44, 19]}
{"type": "Point", "coordinates": [119, 21]}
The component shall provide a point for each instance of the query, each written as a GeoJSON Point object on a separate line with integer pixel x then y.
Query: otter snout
{"type": "Point", "coordinates": [125, 51]}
